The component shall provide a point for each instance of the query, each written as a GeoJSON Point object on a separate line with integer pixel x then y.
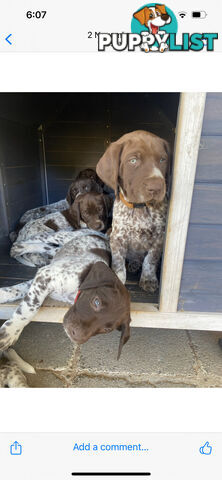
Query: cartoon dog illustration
{"type": "Point", "coordinates": [153, 18]}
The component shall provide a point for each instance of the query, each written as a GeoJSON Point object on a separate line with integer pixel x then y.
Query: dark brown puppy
{"type": "Point", "coordinates": [137, 164]}
{"type": "Point", "coordinates": [86, 181]}
{"type": "Point", "coordinates": [101, 306]}
{"type": "Point", "coordinates": [91, 209]}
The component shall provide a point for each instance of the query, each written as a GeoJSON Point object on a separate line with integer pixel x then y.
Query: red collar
{"type": "Point", "coordinates": [77, 296]}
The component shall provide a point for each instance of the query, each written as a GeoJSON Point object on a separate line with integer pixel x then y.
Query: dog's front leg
{"type": "Point", "coordinates": [12, 328]}
{"type": "Point", "coordinates": [119, 251]}
{"type": "Point", "coordinates": [148, 279]}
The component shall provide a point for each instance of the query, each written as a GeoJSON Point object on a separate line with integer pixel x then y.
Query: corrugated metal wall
{"type": "Point", "coordinates": [201, 285]}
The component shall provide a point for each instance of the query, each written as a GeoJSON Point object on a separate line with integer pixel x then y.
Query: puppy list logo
{"type": "Point", "coordinates": [154, 29]}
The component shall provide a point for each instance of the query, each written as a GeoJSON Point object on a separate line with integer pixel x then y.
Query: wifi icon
{"type": "Point", "coordinates": [182, 14]}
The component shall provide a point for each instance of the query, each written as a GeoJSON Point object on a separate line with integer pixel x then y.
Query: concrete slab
{"type": "Point", "coordinates": [208, 351]}
{"type": "Point", "coordinates": [148, 352]}
{"type": "Point", "coordinates": [45, 345]}
{"type": "Point", "coordinates": [45, 379]}
{"type": "Point", "coordinates": [152, 358]}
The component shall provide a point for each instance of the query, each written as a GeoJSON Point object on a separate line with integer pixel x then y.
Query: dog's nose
{"type": "Point", "coordinates": [164, 17]}
{"type": "Point", "coordinates": [154, 184]}
{"type": "Point", "coordinates": [99, 225]}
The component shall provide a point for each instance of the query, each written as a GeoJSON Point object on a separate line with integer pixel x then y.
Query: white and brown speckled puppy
{"type": "Point", "coordinates": [88, 210]}
{"type": "Point", "coordinates": [11, 370]}
{"type": "Point", "coordinates": [80, 275]}
{"type": "Point", "coordinates": [86, 181]}
{"type": "Point", "coordinates": [136, 166]}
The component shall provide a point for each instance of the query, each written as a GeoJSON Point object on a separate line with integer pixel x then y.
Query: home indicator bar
{"type": "Point", "coordinates": [111, 474]}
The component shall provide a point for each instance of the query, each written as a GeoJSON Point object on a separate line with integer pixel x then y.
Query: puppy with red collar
{"type": "Point", "coordinates": [153, 18]}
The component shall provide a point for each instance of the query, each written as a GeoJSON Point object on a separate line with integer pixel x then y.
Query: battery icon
{"type": "Point", "coordinates": [200, 14]}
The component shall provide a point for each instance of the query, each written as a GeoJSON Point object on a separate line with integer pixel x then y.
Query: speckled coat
{"type": "Point", "coordinates": [60, 280]}
{"type": "Point", "coordinates": [138, 236]}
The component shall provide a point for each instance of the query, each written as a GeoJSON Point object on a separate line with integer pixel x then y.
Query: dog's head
{"type": "Point", "coordinates": [101, 306]}
{"type": "Point", "coordinates": [91, 209]}
{"type": "Point", "coordinates": [137, 164]}
{"type": "Point", "coordinates": [153, 17]}
{"type": "Point", "coordinates": [86, 181]}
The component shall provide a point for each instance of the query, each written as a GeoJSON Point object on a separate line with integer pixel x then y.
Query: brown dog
{"type": "Point", "coordinates": [89, 210]}
{"type": "Point", "coordinates": [80, 275]}
{"type": "Point", "coordinates": [101, 306]}
{"type": "Point", "coordinates": [136, 166]}
{"type": "Point", "coordinates": [86, 181]}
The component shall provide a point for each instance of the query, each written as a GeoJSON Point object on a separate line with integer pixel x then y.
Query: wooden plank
{"type": "Point", "coordinates": [18, 270]}
{"type": "Point", "coordinates": [212, 122]}
{"type": "Point", "coordinates": [206, 204]}
{"type": "Point", "coordinates": [72, 159]}
{"type": "Point", "coordinates": [77, 129]}
{"type": "Point", "coordinates": [16, 210]}
{"type": "Point", "coordinates": [197, 302]}
{"type": "Point", "coordinates": [72, 144]}
{"type": "Point", "coordinates": [24, 145]}
{"type": "Point", "coordinates": [203, 277]}
{"type": "Point", "coordinates": [146, 316]}
{"type": "Point", "coordinates": [204, 242]}
{"type": "Point", "coordinates": [189, 126]}
{"type": "Point", "coordinates": [209, 163]}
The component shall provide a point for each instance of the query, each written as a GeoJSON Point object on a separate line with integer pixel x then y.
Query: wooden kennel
{"type": "Point", "coordinates": [46, 139]}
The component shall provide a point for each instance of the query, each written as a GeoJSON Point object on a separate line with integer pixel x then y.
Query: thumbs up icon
{"type": "Point", "coordinates": [206, 449]}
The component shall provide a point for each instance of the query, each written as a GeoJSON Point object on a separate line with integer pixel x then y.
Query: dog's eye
{"type": "Point", "coordinates": [96, 303]}
{"type": "Point", "coordinates": [162, 160]}
{"type": "Point", "coordinates": [151, 15]}
{"type": "Point", "coordinates": [158, 14]}
{"type": "Point", "coordinates": [133, 161]}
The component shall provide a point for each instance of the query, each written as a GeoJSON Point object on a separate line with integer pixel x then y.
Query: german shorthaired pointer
{"type": "Point", "coordinates": [88, 210]}
{"type": "Point", "coordinates": [85, 182]}
{"type": "Point", "coordinates": [135, 166]}
{"type": "Point", "coordinates": [11, 368]}
{"type": "Point", "coordinates": [79, 274]}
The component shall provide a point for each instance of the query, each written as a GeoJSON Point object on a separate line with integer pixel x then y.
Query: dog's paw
{"type": "Point", "coordinates": [149, 284]}
{"type": "Point", "coordinates": [8, 337]}
{"type": "Point", "coordinates": [19, 249]}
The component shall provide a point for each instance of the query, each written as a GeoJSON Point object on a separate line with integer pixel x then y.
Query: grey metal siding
{"type": "Point", "coordinates": [201, 284]}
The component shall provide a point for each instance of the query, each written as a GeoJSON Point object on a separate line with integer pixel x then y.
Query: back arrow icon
{"type": "Point", "coordinates": [7, 39]}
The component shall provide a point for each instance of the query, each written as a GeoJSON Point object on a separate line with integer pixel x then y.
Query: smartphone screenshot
{"type": "Point", "coordinates": [110, 240]}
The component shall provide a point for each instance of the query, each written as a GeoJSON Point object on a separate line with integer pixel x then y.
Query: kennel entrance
{"type": "Point", "coordinates": [46, 139]}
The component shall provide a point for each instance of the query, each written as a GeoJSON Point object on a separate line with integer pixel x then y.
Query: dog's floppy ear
{"type": "Point", "coordinates": [99, 275]}
{"type": "Point", "coordinates": [142, 15]}
{"type": "Point", "coordinates": [125, 334]}
{"type": "Point", "coordinates": [74, 213]}
{"type": "Point", "coordinates": [69, 197]}
{"type": "Point", "coordinates": [108, 166]}
{"type": "Point", "coordinates": [161, 8]}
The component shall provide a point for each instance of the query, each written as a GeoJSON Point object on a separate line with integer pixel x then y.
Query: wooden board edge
{"type": "Point", "coordinates": [143, 315]}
